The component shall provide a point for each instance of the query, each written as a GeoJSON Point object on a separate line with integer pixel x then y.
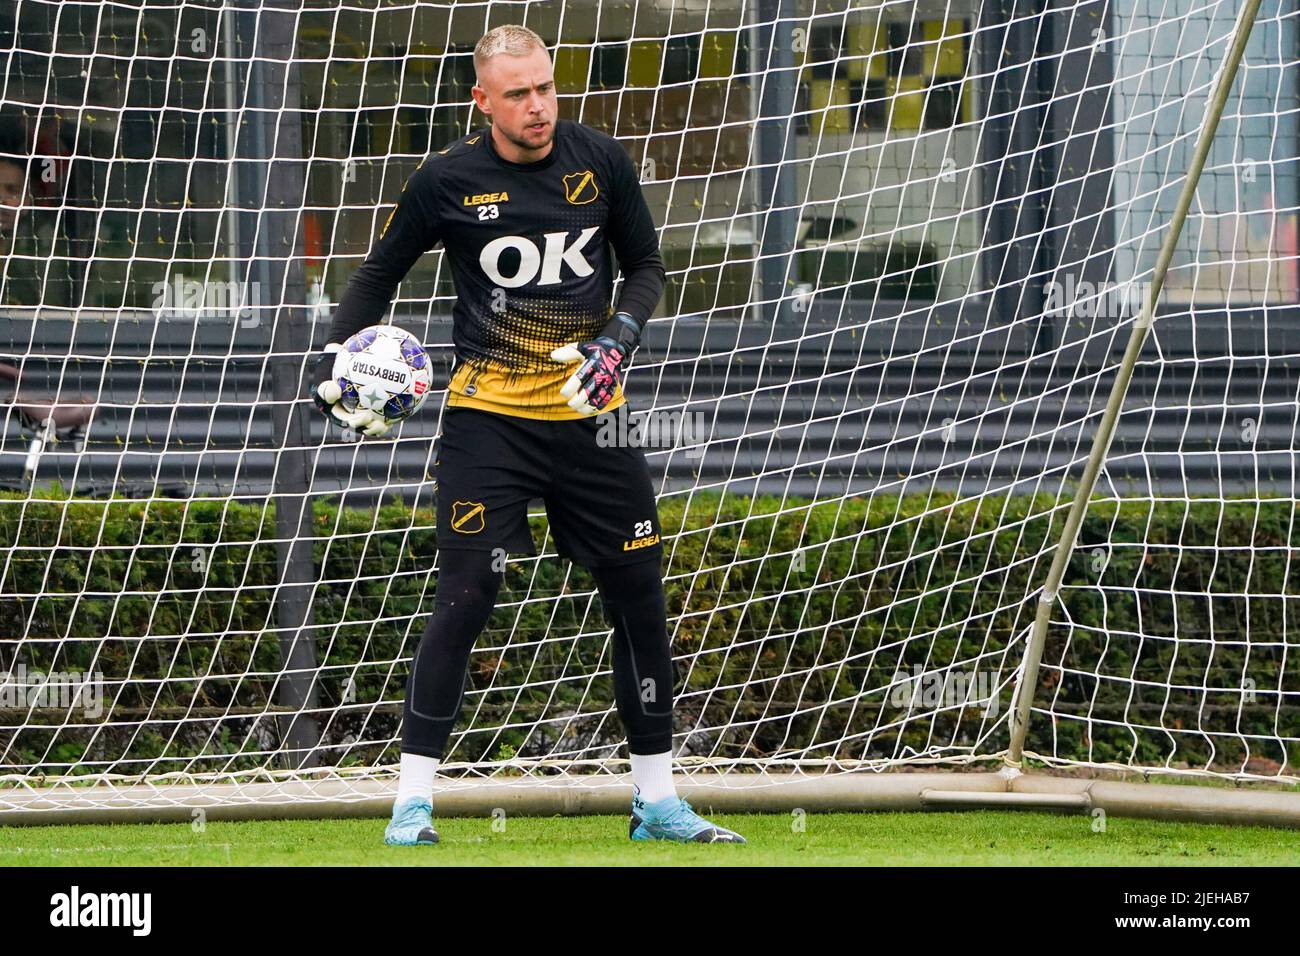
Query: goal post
{"type": "Point", "coordinates": [929, 543]}
{"type": "Point", "coordinates": [1028, 682]}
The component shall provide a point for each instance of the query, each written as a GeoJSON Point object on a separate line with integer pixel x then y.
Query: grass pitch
{"type": "Point", "coordinates": [973, 838]}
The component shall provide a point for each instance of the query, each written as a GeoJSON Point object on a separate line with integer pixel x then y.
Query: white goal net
{"type": "Point", "coordinates": [905, 245]}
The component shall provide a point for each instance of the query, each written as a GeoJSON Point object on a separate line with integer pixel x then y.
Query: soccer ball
{"type": "Point", "coordinates": [385, 370]}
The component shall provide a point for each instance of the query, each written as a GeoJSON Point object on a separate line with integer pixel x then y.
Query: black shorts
{"type": "Point", "coordinates": [599, 500]}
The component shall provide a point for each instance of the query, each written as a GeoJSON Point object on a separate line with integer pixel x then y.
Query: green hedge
{"type": "Point", "coordinates": [789, 621]}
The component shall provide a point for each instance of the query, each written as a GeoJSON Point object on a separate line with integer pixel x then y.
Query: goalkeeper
{"type": "Point", "coordinates": [527, 210]}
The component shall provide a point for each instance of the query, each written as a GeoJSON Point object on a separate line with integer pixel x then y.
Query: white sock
{"type": "Point", "coordinates": [416, 778]}
{"type": "Point", "coordinates": [653, 776]}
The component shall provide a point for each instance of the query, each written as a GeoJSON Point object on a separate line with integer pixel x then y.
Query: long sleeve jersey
{"type": "Point", "coordinates": [529, 245]}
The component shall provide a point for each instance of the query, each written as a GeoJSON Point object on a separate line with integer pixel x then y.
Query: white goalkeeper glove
{"type": "Point", "coordinates": [326, 393]}
{"type": "Point", "coordinates": [604, 359]}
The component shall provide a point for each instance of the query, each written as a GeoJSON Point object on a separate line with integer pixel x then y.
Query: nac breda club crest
{"type": "Point", "coordinates": [580, 188]}
{"type": "Point", "coordinates": [467, 517]}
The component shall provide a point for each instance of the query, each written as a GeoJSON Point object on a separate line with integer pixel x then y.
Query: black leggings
{"type": "Point", "coordinates": [633, 596]}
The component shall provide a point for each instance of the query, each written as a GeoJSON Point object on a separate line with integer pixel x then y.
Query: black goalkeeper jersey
{"type": "Point", "coordinates": [529, 245]}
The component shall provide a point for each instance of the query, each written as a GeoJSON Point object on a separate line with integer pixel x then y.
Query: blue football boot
{"type": "Point", "coordinates": [412, 824]}
{"type": "Point", "coordinates": [673, 819]}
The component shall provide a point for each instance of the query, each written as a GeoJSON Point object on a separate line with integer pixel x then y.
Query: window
{"type": "Point", "coordinates": [608, 66]}
{"type": "Point", "coordinates": [1239, 241]}
{"type": "Point", "coordinates": [890, 97]}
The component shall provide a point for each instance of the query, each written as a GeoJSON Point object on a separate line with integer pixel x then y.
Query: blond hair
{"type": "Point", "coordinates": [510, 39]}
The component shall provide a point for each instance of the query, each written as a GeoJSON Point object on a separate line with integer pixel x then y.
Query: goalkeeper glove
{"type": "Point", "coordinates": [604, 360]}
{"type": "Point", "coordinates": [326, 393]}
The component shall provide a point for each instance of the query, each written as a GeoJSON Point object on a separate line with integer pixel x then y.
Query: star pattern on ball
{"type": "Point", "coordinates": [374, 397]}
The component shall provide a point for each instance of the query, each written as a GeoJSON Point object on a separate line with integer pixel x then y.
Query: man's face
{"type": "Point", "coordinates": [518, 95]}
{"type": "Point", "coordinates": [11, 195]}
